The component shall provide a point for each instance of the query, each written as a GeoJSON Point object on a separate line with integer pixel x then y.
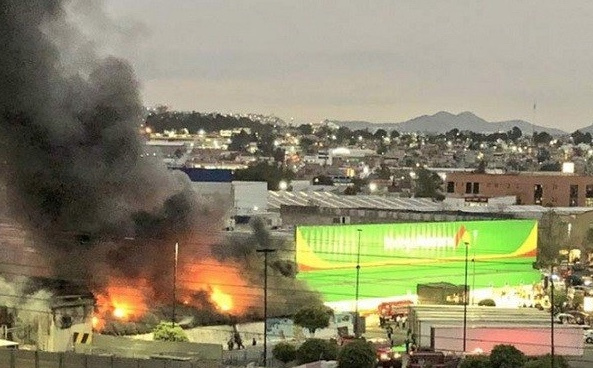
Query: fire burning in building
{"type": "Point", "coordinates": [76, 180]}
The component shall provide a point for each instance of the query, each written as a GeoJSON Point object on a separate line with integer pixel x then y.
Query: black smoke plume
{"type": "Point", "coordinates": [75, 177]}
{"type": "Point", "coordinates": [71, 154]}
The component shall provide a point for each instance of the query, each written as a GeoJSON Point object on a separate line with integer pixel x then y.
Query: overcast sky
{"type": "Point", "coordinates": [379, 61]}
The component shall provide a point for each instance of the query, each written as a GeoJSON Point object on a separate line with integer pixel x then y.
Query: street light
{"type": "Point", "coordinates": [265, 251]}
{"type": "Point", "coordinates": [175, 283]}
{"type": "Point", "coordinates": [356, 327]}
{"type": "Point", "coordinates": [465, 299]}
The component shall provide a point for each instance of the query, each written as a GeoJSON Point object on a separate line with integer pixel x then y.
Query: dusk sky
{"type": "Point", "coordinates": [380, 61]}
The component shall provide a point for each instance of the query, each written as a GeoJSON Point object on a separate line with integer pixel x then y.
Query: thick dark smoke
{"type": "Point", "coordinates": [72, 158]}
{"type": "Point", "coordinates": [74, 174]}
{"type": "Point", "coordinates": [286, 293]}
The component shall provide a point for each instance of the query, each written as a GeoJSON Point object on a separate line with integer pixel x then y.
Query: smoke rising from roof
{"type": "Point", "coordinates": [76, 179]}
{"type": "Point", "coordinates": [71, 153]}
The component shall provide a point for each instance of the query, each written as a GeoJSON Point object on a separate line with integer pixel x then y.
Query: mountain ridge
{"type": "Point", "coordinates": [444, 121]}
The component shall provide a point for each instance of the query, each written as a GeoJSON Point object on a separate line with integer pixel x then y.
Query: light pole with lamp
{"type": "Point", "coordinates": [473, 289]}
{"type": "Point", "coordinates": [356, 320]}
{"type": "Point", "coordinates": [465, 298]}
{"type": "Point", "coordinates": [265, 251]}
{"type": "Point", "coordinates": [175, 284]}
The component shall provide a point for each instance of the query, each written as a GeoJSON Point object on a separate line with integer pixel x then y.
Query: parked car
{"type": "Point", "coordinates": [588, 336]}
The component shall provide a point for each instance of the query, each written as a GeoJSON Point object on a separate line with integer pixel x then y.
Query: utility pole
{"type": "Point", "coordinates": [356, 319]}
{"type": "Point", "coordinates": [552, 349]}
{"type": "Point", "coordinates": [265, 251]}
{"type": "Point", "coordinates": [175, 284]}
{"type": "Point", "coordinates": [465, 300]}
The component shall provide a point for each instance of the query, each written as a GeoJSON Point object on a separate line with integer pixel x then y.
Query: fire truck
{"type": "Point", "coordinates": [389, 311]}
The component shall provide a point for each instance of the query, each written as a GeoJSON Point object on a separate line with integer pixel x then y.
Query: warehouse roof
{"type": "Point", "coordinates": [331, 200]}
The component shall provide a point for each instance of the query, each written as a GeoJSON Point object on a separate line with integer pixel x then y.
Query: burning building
{"type": "Point", "coordinates": [94, 208]}
{"type": "Point", "coordinates": [47, 314]}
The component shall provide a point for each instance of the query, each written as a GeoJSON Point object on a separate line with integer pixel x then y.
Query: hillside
{"type": "Point", "coordinates": [443, 121]}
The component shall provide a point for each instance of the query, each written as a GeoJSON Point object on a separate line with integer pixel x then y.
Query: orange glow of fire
{"type": "Point", "coordinates": [227, 289]}
{"type": "Point", "coordinates": [123, 300]}
{"type": "Point", "coordinates": [223, 301]}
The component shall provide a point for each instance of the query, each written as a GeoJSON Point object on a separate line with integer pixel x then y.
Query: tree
{"type": "Point", "coordinates": [273, 174]}
{"type": "Point", "coordinates": [481, 167]}
{"type": "Point", "coordinates": [167, 331]}
{"type": "Point", "coordinates": [428, 184]}
{"type": "Point", "coordinates": [240, 141]}
{"type": "Point", "coordinates": [357, 354]}
{"type": "Point", "coordinates": [313, 350]}
{"type": "Point", "coordinates": [380, 134]}
{"type": "Point", "coordinates": [542, 137]}
{"type": "Point", "coordinates": [305, 129]}
{"type": "Point", "coordinates": [314, 317]}
{"type": "Point", "coordinates": [551, 237]}
{"type": "Point", "coordinates": [475, 361]}
{"type": "Point", "coordinates": [383, 172]}
{"type": "Point", "coordinates": [506, 356]}
{"type": "Point", "coordinates": [551, 166]}
{"type": "Point", "coordinates": [284, 352]}
{"type": "Point", "coordinates": [307, 144]}
{"type": "Point", "coordinates": [393, 134]}
{"type": "Point", "coordinates": [515, 133]}
{"type": "Point", "coordinates": [587, 244]}
{"type": "Point", "coordinates": [546, 362]}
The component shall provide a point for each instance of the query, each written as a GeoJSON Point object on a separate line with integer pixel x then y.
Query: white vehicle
{"type": "Point", "coordinates": [588, 336]}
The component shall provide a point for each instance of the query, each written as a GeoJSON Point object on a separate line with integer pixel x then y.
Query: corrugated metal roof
{"type": "Point", "coordinates": [331, 200]}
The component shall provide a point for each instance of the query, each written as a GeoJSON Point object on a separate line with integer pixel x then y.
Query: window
{"type": "Point", "coordinates": [589, 195]}
{"type": "Point", "coordinates": [573, 198]}
{"type": "Point", "coordinates": [450, 187]}
{"type": "Point", "coordinates": [538, 193]}
{"type": "Point", "coordinates": [476, 188]}
{"type": "Point", "coordinates": [468, 188]}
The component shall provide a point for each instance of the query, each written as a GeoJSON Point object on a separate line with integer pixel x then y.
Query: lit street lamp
{"type": "Point", "coordinates": [356, 322]}
{"type": "Point", "coordinates": [465, 299]}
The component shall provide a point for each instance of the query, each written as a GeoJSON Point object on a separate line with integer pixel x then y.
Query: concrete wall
{"type": "Point", "coordinates": [315, 215]}
{"type": "Point", "coordinates": [133, 348]}
{"type": "Point", "coordinates": [251, 197]}
{"type": "Point", "coordinates": [32, 359]}
{"type": "Point", "coordinates": [531, 340]}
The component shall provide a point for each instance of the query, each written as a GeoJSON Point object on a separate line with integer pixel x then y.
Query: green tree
{"type": "Point", "coordinates": [428, 184]}
{"type": "Point", "coordinates": [380, 134]}
{"type": "Point", "coordinates": [475, 361]}
{"type": "Point", "coordinates": [515, 133]}
{"type": "Point", "coordinates": [166, 331]}
{"type": "Point", "coordinates": [314, 317]}
{"type": "Point", "coordinates": [273, 174]}
{"type": "Point", "coordinates": [587, 244]}
{"type": "Point", "coordinates": [506, 356]}
{"type": "Point", "coordinates": [305, 129]}
{"type": "Point", "coordinates": [240, 141]}
{"type": "Point", "coordinates": [551, 238]}
{"type": "Point", "coordinates": [284, 352]}
{"type": "Point", "coordinates": [313, 350]}
{"type": "Point", "coordinates": [357, 354]}
{"type": "Point", "coordinates": [546, 362]}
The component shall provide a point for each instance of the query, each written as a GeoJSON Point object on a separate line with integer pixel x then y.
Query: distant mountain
{"type": "Point", "coordinates": [443, 122]}
{"type": "Point", "coordinates": [587, 129]}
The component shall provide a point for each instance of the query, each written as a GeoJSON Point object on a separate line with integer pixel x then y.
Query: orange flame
{"type": "Point", "coordinates": [223, 301]}
{"type": "Point", "coordinates": [123, 300]}
{"type": "Point", "coordinates": [226, 288]}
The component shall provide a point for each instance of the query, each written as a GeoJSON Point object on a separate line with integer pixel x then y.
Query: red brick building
{"type": "Point", "coordinates": [539, 188]}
